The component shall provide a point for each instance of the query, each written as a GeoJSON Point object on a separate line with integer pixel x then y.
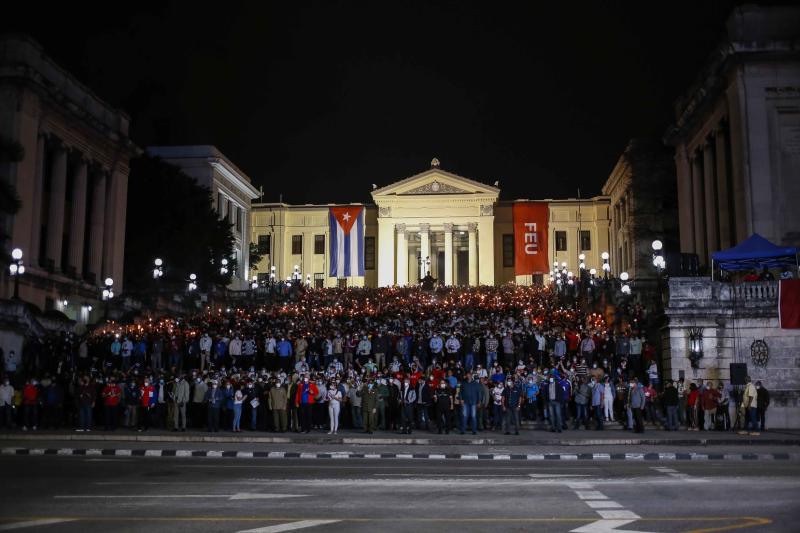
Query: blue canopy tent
{"type": "Point", "coordinates": [755, 253]}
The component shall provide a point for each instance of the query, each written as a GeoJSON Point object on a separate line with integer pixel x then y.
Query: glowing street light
{"type": "Point", "coordinates": [223, 270]}
{"type": "Point", "coordinates": [158, 269]}
{"type": "Point", "coordinates": [192, 282]}
{"type": "Point", "coordinates": [16, 269]}
{"type": "Point", "coordinates": [108, 289]}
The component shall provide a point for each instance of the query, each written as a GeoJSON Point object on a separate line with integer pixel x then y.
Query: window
{"type": "Point", "coordinates": [319, 280]}
{"type": "Point", "coordinates": [508, 250]}
{"type": "Point", "coordinates": [264, 244]}
{"type": "Point", "coordinates": [586, 240]}
{"type": "Point", "coordinates": [297, 245]}
{"type": "Point", "coordinates": [561, 241]}
{"type": "Point", "coordinates": [369, 253]}
{"type": "Point", "coordinates": [319, 244]}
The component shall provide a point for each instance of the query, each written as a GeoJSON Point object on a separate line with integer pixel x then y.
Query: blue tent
{"type": "Point", "coordinates": [754, 253]}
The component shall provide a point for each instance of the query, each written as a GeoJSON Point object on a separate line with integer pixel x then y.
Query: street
{"type": "Point", "coordinates": [60, 494]}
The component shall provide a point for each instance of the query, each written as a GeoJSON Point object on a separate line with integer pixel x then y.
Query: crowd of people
{"type": "Point", "coordinates": [389, 359]}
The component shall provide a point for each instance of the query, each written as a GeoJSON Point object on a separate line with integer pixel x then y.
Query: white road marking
{"type": "Point", "coordinates": [606, 526]}
{"type": "Point", "coordinates": [620, 514]}
{"type": "Point", "coordinates": [591, 495]}
{"type": "Point", "coordinates": [603, 504]}
{"type": "Point", "coordinates": [34, 523]}
{"type": "Point", "coordinates": [291, 526]}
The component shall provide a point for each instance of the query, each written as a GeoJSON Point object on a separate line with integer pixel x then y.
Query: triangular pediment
{"type": "Point", "coordinates": [434, 182]}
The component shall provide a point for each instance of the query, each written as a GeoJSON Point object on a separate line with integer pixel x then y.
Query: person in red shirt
{"type": "Point", "coordinates": [30, 405]}
{"type": "Point", "coordinates": [692, 405]}
{"type": "Point", "coordinates": [111, 396]}
{"type": "Point", "coordinates": [148, 394]}
{"type": "Point", "coordinates": [710, 401]}
{"type": "Point", "coordinates": [304, 400]}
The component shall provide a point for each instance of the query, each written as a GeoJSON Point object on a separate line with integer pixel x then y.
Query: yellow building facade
{"type": "Point", "coordinates": [435, 222]}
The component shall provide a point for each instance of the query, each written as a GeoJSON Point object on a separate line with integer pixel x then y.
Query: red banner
{"type": "Point", "coordinates": [530, 238]}
{"type": "Point", "coordinates": [789, 303]}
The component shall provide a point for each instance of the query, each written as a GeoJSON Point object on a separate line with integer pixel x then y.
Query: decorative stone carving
{"type": "Point", "coordinates": [424, 228]}
{"type": "Point", "coordinates": [759, 352]}
{"type": "Point", "coordinates": [435, 162]}
{"type": "Point", "coordinates": [401, 228]}
{"type": "Point", "coordinates": [435, 187]}
{"type": "Point", "coordinates": [448, 227]}
{"type": "Point", "coordinates": [472, 227]}
{"type": "Point", "coordinates": [384, 212]}
{"type": "Point", "coordinates": [487, 210]}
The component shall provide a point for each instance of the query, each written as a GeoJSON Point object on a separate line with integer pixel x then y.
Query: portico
{"type": "Point", "coordinates": [436, 223]}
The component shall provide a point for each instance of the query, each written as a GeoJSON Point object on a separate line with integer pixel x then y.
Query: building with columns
{"type": "Point", "coordinates": [452, 227]}
{"type": "Point", "coordinates": [72, 182]}
{"type": "Point", "coordinates": [737, 136]}
{"type": "Point", "coordinates": [231, 191]}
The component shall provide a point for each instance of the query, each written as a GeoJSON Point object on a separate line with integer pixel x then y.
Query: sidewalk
{"type": "Point", "coordinates": [577, 438]}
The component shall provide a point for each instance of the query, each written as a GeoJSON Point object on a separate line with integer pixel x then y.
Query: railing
{"type": "Point", "coordinates": [753, 290]}
{"type": "Point", "coordinates": [699, 292]}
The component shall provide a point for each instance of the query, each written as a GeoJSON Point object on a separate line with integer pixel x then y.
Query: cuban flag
{"type": "Point", "coordinates": [347, 241]}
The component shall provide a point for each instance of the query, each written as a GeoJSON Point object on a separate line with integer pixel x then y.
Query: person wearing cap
{"type": "Point", "coordinates": [369, 405]}
{"type": "Point", "coordinates": [276, 401]}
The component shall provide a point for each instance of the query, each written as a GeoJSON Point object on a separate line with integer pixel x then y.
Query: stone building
{"type": "Point", "coordinates": [231, 191]}
{"type": "Point", "coordinates": [72, 181]}
{"type": "Point", "coordinates": [641, 189]}
{"type": "Point", "coordinates": [436, 215]}
{"type": "Point", "coordinates": [737, 136]}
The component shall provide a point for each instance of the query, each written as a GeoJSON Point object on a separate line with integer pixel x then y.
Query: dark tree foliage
{"type": "Point", "coordinates": [256, 254]}
{"type": "Point", "coordinates": [171, 217]}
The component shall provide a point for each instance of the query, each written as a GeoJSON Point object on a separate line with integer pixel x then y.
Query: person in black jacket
{"type": "Point", "coordinates": [670, 399]}
{"type": "Point", "coordinates": [762, 403]}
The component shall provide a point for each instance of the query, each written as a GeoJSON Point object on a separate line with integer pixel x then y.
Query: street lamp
{"type": "Point", "coordinates": [16, 269]}
{"type": "Point", "coordinates": [158, 269]}
{"type": "Point", "coordinates": [296, 275]}
{"type": "Point", "coordinates": [108, 290]}
{"type": "Point", "coordinates": [308, 280]}
{"type": "Point", "coordinates": [254, 283]}
{"type": "Point", "coordinates": [192, 282]}
{"type": "Point", "coordinates": [223, 270]}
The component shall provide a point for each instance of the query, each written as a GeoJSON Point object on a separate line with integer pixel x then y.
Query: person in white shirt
{"type": "Point", "coordinates": [6, 403]}
{"type": "Point", "coordinates": [235, 349]}
{"type": "Point", "coordinates": [334, 399]}
{"type": "Point", "coordinates": [205, 349]}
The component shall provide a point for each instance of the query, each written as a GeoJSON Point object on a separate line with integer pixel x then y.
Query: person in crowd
{"type": "Point", "coordinates": [304, 400]}
{"type": "Point", "coordinates": [598, 393]}
{"type": "Point", "coordinates": [369, 405]}
{"type": "Point", "coordinates": [583, 400]}
{"type": "Point", "coordinates": [30, 405]}
{"type": "Point", "coordinates": [334, 399]}
{"type": "Point", "coordinates": [637, 403]}
{"type": "Point", "coordinates": [6, 404]}
{"type": "Point", "coordinates": [692, 407]}
{"type": "Point", "coordinates": [86, 398]}
{"type": "Point", "coordinates": [214, 400]}
{"type": "Point", "coordinates": [670, 398]}
{"type": "Point", "coordinates": [762, 404]}
{"type": "Point", "coordinates": [181, 393]}
{"type": "Point", "coordinates": [111, 394]}
{"type": "Point", "coordinates": [148, 404]}
{"type": "Point", "coordinates": [239, 398]}
{"type": "Point", "coordinates": [277, 399]}
{"type": "Point", "coordinates": [710, 399]}
{"type": "Point", "coordinates": [512, 403]}
{"type": "Point", "coordinates": [408, 398]}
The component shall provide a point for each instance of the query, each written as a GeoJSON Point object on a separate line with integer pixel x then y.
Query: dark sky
{"type": "Point", "coordinates": [320, 100]}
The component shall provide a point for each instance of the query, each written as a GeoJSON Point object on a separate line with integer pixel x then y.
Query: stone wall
{"type": "Point", "coordinates": [733, 316]}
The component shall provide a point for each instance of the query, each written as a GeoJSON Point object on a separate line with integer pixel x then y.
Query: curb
{"type": "Point", "coordinates": [435, 456]}
{"type": "Point", "coordinates": [379, 441]}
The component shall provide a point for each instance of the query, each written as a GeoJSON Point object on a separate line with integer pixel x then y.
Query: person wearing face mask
{"type": "Point", "coordinates": [762, 404]}
{"type": "Point", "coordinates": [276, 401]}
{"type": "Point", "coordinates": [214, 400]}
{"type": "Point", "coordinates": [443, 401]}
{"type": "Point", "coordinates": [512, 402]}
{"type": "Point", "coordinates": [197, 415]}
{"type": "Point", "coordinates": [304, 400]}
{"type": "Point", "coordinates": [148, 399]}
{"type": "Point", "coordinates": [470, 398]}
{"type": "Point", "coordinates": [369, 405]}
{"type": "Point", "coordinates": [334, 398]}
{"type": "Point", "coordinates": [408, 397]}
{"type": "Point", "coordinates": [6, 403]}
{"type": "Point", "coordinates": [180, 397]}
{"type": "Point", "coordinates": [637, 402]}
{"type": "Point", "coordinates": [30, 405]}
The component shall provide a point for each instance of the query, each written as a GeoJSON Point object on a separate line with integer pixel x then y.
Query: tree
{"type": "Point", "coordinates": [256, 254]}
{"type": "Point", "coordinates": [171, 216]}
{"type": "Point", "coordinates": [10, 152]}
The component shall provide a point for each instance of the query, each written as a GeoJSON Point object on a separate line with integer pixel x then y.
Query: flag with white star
{"type": "Point", "coordinates": [346, 241]}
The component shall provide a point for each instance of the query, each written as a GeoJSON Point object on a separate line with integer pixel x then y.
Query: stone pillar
{"type": "Point", "coordinates": [448, 254]}
{"type": "Point", "coordinates": [402, 255]}
{"type": "Point", "coordinates": [385, 252]}
{"type": "Point", "coordinates": [486, 251]}
{"type": "Point", "coordinates": [723, 194]}
{"type": "Point", "coordinates": [473, 253]}
{"type": "Point", "coordinates": [36, 204]}
{"type": "Point", "coordinates": [109, 220]}
{"type": "Point", "coordinates": [424, 248]}
{"type": "Point", "coordinates": [97, 224]}
{"type": "Point", "coordinates": [685, 201]}
{"type": "Point", "coordinates": [55, 215]}
{"type": "Point", "coordinates": [78, 226]}
{"type": "Point", "coordinates": [711, 213]}
{"type": "Point", "coordinates": [698, 204]}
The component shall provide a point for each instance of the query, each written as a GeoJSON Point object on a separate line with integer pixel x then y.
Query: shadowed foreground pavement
{"type": "Point", "coordinates": [120, 494]}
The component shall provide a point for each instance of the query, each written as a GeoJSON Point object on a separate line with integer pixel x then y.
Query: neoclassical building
{"type": "Point", "coordinates": [72, 182]}
{"type": "Point", "coordinates": [452, 227]}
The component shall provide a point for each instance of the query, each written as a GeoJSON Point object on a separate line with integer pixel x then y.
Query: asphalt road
{"type": "Point", "coordinates": [61, 494]}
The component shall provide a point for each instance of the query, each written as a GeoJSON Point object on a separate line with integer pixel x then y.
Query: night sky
{"type": "Point", "coordinates": [317, 101]}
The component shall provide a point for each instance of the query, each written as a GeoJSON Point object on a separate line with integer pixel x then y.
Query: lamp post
{"type": "Point", "coordinates": [108, 293]}
{"type": "Point", "coordinates": [16, 269]}
{"type": "Point", "coordinates": [223, 269]}
{"type": "Point", "coordinates": [296, 275]}
{"type": "Point", "coordinates": [192, 282]}
{"type": "Point", "coordinates": [158, 269]}
{"type": "Point", "coordinates": [606, 265]}
{"type": "Point", "coordinates": [424, 265]}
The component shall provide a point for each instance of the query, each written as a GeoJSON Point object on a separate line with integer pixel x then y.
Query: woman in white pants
{"type": "Point", "coordinates": [334, 398]}
{"type": "Point", "coordinates": [608, 400]}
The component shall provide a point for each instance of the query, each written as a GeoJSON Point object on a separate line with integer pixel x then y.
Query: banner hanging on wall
{"type": "Point", "coordinates": [530, 238]}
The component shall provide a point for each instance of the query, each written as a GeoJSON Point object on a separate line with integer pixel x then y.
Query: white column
{"type": "Point", "coordinates": [486, 249]}
{"type": "Point", "coordinates": [710, 182]}
{"type": "Point", "coordinates": [109, 231]}
{"type": "Point", "coordinates": [36, 205]}
{"type": "Point", "coordinates": [97, 224]}
{"type": "Point", "coordinates": [473, 253]}
{"type": "Point", "coordinates": [723, 193]}
{"type": "Point", "coordinates": [55, 215]}
{"type": "Point", "coordinates": [448, 254]}
{"type": "Point", "coordinates": [385, 252]}
{"type": "Point", "coordinates": [78, 226]}
{"type": "Point", "coordinates": [425, 248]}
{"type": "Point", "coordinates": [402, 255]}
